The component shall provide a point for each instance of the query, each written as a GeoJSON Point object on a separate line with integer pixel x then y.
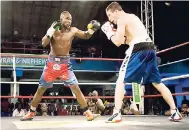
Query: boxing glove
{"type": "Point", "coordinates": [93, 26]}
{"type": "Point", "coordinates": [108, 29]}
{"type": "Point", "coordinates": [54, 27]}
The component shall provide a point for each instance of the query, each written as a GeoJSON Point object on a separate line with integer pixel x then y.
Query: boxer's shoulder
{"type": "Point", "coordinates": [74, 29]}
{"type": "Point", "coordinates": [123, 20]}
{"type": "Point", "coordinates": [128, 18]}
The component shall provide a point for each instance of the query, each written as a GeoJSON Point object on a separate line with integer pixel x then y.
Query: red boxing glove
{"type": "Point", "coordinates": [113, 29]}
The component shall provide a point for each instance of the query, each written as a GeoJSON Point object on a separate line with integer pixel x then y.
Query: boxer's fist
{"type": "Point", "coordinates": [93, 26]}
{"type": "Point", "coordinates": [55, 26]}
{"type": "Point", "coordinates": [108, 29]}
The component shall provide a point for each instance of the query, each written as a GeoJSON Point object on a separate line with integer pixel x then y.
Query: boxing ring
{"type": "Point", "coordinates": [142, 122]}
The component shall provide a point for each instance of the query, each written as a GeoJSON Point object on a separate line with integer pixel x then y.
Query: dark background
{"type": "Point", "coordinates": [171, 23]}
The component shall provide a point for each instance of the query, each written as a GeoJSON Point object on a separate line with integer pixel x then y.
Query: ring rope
{"type": "Point", "coordinates": [86, 71]}
{"type": "Point", "coordinates": [171, 48]}
{"type": "Point", "coordinates": [170, 63]}
{"type": "Point", "coordinates": [106, 71]}
{"type": "Point", "coordinates": [2, 82]}
{"type": "Point", "coordinates": [164, 79]}
{"type": "Point", "coordinates": [108, 97]}
{"type": "Point", "coordinates": [38, 67]}
{"type": "Point", "coordinates": [105, 59]}
{"type": "Point", "coordinates": [32, 49]}
{"type": "Point", "coordinates": [176, 77]}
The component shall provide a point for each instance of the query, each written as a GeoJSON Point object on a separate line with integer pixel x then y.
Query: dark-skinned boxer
{"type": "Point", "coordinates": [60, 36]}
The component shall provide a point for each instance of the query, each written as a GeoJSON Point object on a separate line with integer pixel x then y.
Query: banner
{"type": "Point", "coordinates": [37, 62]}
{"type": "Point", "coordinates": [136, 93]}
{"type": "Point", "coordinates": [23, 61]}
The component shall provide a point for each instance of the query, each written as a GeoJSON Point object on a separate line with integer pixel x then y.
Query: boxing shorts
{"type": "Point", "coordinates": [58, 67]}
{"type": "Point", "coordinates": [140, 63]}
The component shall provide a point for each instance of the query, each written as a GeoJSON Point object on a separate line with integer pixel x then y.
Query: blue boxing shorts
{"type": "Point", "coordinates": [58, 67]}
{"type": "Point", "coordinates": [140, 64]}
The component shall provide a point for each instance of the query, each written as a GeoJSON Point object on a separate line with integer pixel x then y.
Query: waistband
{"type": "Point", "coordinates": [140, 40]}
{"type": "Point", "coordinates": [143, 46]}
{"type": "Point", "coordinates": [59, 59]}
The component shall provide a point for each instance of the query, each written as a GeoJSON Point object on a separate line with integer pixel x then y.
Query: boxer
{"type": "Point", "coordinates": [60, 36]}
{"type": "Point", "coordinates": [140, 61]}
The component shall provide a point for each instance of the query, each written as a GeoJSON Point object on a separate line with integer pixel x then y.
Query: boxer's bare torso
{"type": "Point", "coordinates": [134, 27]}
{"type": "Point", "coordinates": [62, 40]}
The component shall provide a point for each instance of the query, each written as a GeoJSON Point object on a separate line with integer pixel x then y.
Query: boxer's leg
{"type": "Point", "coordinates": [165, 92]}
{"type": "Point", "coordinates": [73, 84]}
{"type": "Point", "coordinates": [79, 96]}
{"type": "Point", "coordinates": [132, 70]}
{"type": "Point", "coordinates": [70, 80]}
{"type": "Point", "coordinates": [37, 97]}
{"type": "Point", "coordinates": [46, 81]}
{"type": "Point", "coordinates": [152, 75]}
{"type": "Point", "coordinates": [82, 101]}
{"type": "Point", "coordinates": [119, 93]}
{"type": "Point", "coordinates": [120, 86]}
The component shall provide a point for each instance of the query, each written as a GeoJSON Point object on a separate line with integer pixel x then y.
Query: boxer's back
{"type": "Point", "coordinates": [61, 43]}
{"type": "Point", "coordinates": [134, 28]}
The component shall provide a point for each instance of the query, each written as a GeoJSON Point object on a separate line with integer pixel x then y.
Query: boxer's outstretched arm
{"type": "Point", "coordinates": [92, 27]}
{"type": "Point", "coordinates": [82, 34]}
{"type": "Point", "coordinates": [119, 38]}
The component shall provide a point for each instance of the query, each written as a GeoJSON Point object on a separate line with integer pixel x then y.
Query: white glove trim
{"type": "Point", "coordinates": [50, 32]}
{"type": "Point", "coordinates": [107, 29]}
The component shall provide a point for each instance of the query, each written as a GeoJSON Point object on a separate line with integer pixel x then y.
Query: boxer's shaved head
{"type": "Point", "coordinates": [112, 12]}
{"type": "Point", "coordinates": [113, 7]}
{"type": "Point", "coordinates": [66, 19]}
{"type": "Point", "coordinates": [65, 13]}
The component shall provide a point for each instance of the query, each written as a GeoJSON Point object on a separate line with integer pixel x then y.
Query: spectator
{"type": "Point", "coordinates": [9, 112]}
{"type": "Point", "coordinates": [109, 108]}
{"type": "Point", "coordinates": [79, 112]}
{"type": "Point", "coordinates": [185, 107]}
{"type": "Point", "coordinates": [185, 101]}
{"type": "Point", "coordinates": [51, 109]}
{"type": "Point", "coordinates": [129, 107]}
{"type": "Point", "coordinates": [38, 110]}
{"type": "Point", "coordinates": [18, 111]}
{"type": "Point", "coordinates": [44, 109]}
{"type": "Point", "coordinates": [68, 108]}
{"type": "Point", "coordinates": [74, 111]}
{"type": "Point", "coordinates": [96, 105]}
{"type": "Point", "coordinates": [15, 37]}
{"type": "Point", "coordinates": [33, 39]}
{"type": "Point", "coordinates": [61, 110]}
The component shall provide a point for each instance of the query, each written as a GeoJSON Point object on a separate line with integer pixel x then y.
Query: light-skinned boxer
{"type": "Point", "coordinates": [140, 61]}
